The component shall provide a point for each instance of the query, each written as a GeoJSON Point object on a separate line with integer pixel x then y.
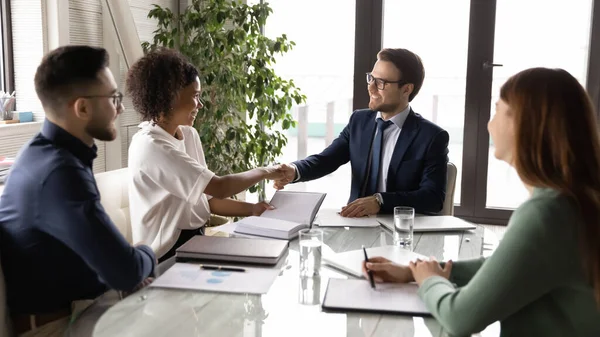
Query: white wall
{"type": "Point", "coordinates": [145, 28]}
{"type": "Point", "coordinates": [28, 50]}
{"type": "Point", "coordinates": [85, 26]}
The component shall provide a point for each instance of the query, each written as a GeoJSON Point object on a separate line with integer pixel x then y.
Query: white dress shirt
{"type": "Point", "coordinates": [166, 189]}
{"type": "Point", "coordinates": [390, 137]}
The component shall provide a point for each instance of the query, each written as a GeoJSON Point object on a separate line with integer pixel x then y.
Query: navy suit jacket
{"type": "Point", "coordinates": [417, 171]}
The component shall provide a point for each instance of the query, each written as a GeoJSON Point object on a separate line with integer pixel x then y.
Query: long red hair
{"type": "Point", "coordinates": [557, 146]}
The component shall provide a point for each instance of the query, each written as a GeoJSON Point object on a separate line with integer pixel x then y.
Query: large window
{"type": "Point", "coordinates": [469, 49]}
{"type": "Point", "coordinates": [442, 97]}
{"type": "Point", "coordinates": [321, 65]}
{"type": "Point", "coordinates": [527, 35]}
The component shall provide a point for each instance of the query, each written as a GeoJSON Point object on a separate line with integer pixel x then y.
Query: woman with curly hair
{"type": "Point", "coordinates": [544, 277]}
{"type": "Point", "coordinates": [172, 193]}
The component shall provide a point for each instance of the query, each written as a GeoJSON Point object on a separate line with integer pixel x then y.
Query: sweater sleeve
{"type": "Point", "coordinates": [463, 271]}
{"type": "Point", "coordinates": [523, 268]}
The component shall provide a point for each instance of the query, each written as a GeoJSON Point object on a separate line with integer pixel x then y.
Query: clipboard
{"type": "Point", "coordinates": [387, 298]}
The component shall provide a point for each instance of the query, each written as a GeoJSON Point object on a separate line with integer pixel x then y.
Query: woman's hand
{"type": "Point", "coordinates": [422, 270]}
{"type": "Point", "coordinates": [259, 208]}
{"type": "Point", "coordinates": [385, 270]}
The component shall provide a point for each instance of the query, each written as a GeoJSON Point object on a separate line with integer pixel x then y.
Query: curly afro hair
{"type": "Point", "coordinates": [154, 81]}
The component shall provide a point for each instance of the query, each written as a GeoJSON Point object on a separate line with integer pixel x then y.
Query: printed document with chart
{"type": "Point", "coordinates": [191, 276]}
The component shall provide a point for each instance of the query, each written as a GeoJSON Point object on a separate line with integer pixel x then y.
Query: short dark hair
{"type": "Point", "coordinates": [410, 66]}
{"type": "Point", "coordinates": [65, 70]}
{"type": "Point", "coordinates": [154, 80]}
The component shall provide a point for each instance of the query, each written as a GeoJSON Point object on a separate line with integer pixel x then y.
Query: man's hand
{"type": "Point", "coordinates": [259, 208]}
{"type": "Point", "coordinates": [289, 174]}
{"type": "Point", "coordinates": [361, 207]}
{"type": "Point", "coordinates": [423, 270]}
{"type": "Point", "coordinates": [146, 282]}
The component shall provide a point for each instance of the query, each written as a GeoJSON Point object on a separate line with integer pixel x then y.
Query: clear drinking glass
{"type": "Point", "coordinates": [309, 292]}
{"type": "Point", "coordinates": [404, 218]}
{"type": "Point", "coordinates": [311, 241]}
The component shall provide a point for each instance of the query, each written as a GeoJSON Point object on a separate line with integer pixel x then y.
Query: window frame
{"type": "Point", "coordinates": [7, 70]}
{"type": "Point", "coordinates": [368, 41]}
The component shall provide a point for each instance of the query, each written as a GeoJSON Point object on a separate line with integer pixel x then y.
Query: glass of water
{"type": "Point", "coordinates": [311, 241]}
{"type": "Point", "coordinates": [404, 218]}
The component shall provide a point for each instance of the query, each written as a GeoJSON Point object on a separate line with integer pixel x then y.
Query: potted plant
{"type": "Point", "coordinates": [245, 100]}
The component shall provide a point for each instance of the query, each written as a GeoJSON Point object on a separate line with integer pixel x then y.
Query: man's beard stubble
{"type": "Point", "coordinates": [385, 108]}
{"type": "Point", "coordinates": [100, 130]}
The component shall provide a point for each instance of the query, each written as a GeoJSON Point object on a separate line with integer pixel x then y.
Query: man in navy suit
{"type": "Point", "coordinates": [398, 158]}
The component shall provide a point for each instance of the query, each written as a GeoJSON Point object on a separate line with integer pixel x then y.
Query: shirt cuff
{"type": "Point", "coordinates": [148, 251]}
{"type": "Point", "coordinates": [439, 282]}
{"type": "Point", "coordinates": [297, 173]}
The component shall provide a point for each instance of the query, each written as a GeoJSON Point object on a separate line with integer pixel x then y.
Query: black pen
{"type": "Point", "coordinates": [221, 268]}
{"type": "Point", "coordinates": [368, 271]}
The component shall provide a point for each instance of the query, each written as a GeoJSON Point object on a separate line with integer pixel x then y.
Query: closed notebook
{"type": "Point", "coordinates": [260, 251]}
{"type": "Point", "coordinates": [293, 212]}
{"type": "Point", "coordinates": [386, 298]}
{"type": "Point", "coordinates": [427, 223]}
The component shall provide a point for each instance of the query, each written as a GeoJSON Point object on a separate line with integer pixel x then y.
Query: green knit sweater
{"type": "Point", "coordinates": [534, 283]}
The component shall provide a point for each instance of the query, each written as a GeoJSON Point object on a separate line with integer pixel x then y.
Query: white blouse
{"type": "Point", "coordinates": [166, 188]}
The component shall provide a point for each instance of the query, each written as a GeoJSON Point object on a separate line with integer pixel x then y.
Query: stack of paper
{"type": "Point", "coordinates": [332, 218]}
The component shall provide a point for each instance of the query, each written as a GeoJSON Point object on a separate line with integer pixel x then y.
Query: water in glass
{"type": "Point", "coordinates": [310, 257]}
{"type": "Point", "coordinates": [404, 218]}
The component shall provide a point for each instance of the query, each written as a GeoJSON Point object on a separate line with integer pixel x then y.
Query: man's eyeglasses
{"type": "Point", "coordinates": [380, 82]}
{"type": "Point", "coordinates": [117, 98]}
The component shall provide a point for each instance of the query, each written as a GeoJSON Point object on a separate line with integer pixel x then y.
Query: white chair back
{"type": "Point", "coordinates": [448, 208]}
{"type": "Point", "coordinates": [114, 196]}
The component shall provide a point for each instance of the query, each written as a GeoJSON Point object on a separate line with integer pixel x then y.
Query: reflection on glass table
{"type": "Point", "coordinates": [292, 307]}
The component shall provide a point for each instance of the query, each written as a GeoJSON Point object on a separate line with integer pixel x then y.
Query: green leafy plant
{"type": "Point", "coordinates": [244, 98]}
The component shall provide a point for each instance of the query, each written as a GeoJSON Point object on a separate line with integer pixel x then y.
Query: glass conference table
{"type": "Point", "coordinates": [292, 307]}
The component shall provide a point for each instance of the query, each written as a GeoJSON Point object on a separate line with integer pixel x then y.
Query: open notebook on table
{"type": "Point", "coordinates": [293, 212]}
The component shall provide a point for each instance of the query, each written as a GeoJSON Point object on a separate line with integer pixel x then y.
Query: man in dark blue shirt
{"type": "Point", "coordinates": [57, 245]}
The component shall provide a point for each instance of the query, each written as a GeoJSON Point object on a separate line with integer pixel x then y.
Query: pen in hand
{"type": "Point", "coordinates": [368, 271]}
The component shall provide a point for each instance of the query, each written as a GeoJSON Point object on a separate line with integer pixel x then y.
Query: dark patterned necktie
{"type": "Point", "coordinates": [376, 157]}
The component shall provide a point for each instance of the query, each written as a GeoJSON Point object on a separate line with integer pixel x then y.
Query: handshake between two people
{"type": "Point", "coordinates": [358, 208]}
